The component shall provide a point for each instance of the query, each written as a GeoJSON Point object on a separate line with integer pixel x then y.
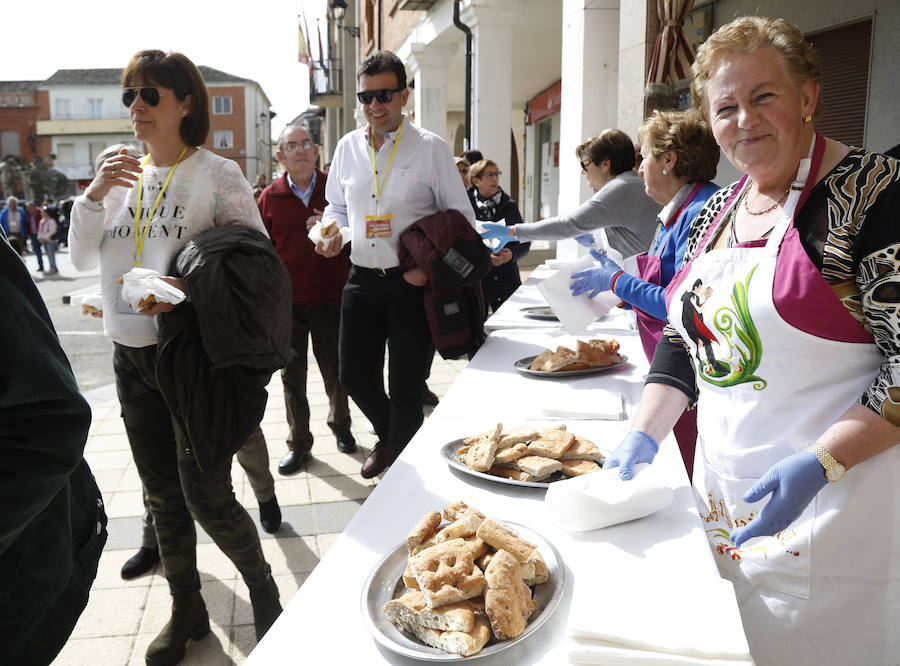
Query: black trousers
{"type": "Point", "coordinates": [376, 312]}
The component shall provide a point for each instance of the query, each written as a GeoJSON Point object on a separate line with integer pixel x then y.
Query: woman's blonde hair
{"type": "Point", "coordinates": [476, 169]}
{"type": "Point", "coordinates": [745, 35]}
{"type": "Point", "coordinates": [686, 134]}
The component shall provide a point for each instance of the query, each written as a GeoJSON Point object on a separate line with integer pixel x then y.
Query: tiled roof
{"type": "Point", "coordinates": [114, 76]}
{"type": "Point", "coordinates": [19, 86]}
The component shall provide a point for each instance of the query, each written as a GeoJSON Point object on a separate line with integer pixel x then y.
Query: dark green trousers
{"type": "Point", "coordinates": [177, 491]}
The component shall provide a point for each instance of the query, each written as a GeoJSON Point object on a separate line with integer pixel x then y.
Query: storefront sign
{"type": "Point", "coordinates": [545, 104]}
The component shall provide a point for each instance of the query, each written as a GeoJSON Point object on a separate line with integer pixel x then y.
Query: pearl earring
{"type": "Point", "coordinates": [665, 172]}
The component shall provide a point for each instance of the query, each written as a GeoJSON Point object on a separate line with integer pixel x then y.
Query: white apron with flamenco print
{"type": "Point", "coordinates": [827, 589]}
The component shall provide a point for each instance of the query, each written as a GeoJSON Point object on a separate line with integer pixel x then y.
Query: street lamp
{"type": "Point", "coordinates": [339, 10]}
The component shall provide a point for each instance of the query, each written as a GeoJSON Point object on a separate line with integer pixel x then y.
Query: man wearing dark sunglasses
{"type": "Point", "coordinates": [383, 178]}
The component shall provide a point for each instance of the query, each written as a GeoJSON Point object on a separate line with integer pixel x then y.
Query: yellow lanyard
{"type": "Point", "coordinates": [374, 174]}
{"type": "Point", "coordinates": [141, 235]}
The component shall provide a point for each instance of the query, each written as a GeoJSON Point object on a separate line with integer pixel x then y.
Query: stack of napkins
{"type": "Point", "coordinates": [656, 620]}
{"type": "Point", "coordinates": [602, 499]}
{"type": "Point", "coordinates": [575, 313]}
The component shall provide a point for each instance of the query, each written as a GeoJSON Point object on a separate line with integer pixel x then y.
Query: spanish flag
{"type": "Point", "coordinates": [303, 48]}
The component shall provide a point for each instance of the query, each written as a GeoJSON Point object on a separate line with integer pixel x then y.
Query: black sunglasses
{"type": "Point", "coordinates": [148, 93]}
{"type": "Point", "coordinates": [384, 96]}
{"type": "Point", "coordinates": [585, 165]}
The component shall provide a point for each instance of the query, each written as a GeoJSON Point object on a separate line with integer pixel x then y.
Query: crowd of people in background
{"type": "Point", "coordinates": [37, 228]}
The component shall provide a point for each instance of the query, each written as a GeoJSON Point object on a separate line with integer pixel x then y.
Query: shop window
{"type": "Point", "coordinates": [223, 139]}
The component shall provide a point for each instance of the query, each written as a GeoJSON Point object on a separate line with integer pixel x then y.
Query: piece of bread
{"type": "Point", "coordinates": [551, 444]}
{"type": "Point", "coordinates": [423, 531]}
{"type": "Point", "coordinates": [507, 600]}
{"type": "Point", "coordinates": [462, 451]}
{"type": "Point", "coordinates": [474, 438]}
{"type": "Point", "coordinates": [481, 456]}
{"type": "Point", "coordinates": [609, 346]}
{"type": "Point", "coordinates": [578, 467]}
{"type": "Point", "coordinates": [459, 509]}
{"type": "Point", "coordinates": [511, 454]}
{"type": "Point", "coordinates": [409, 578]}
{"type": "Point", "coordinates": [446, 573]}
{"type": "Point", "coordinates": [540, 360]}
{"type": "Point", "coordinates": [464, 526]}
{"type": "Point", "coordinates": [477, 546]}
{"type": "Point", "coordinates": [411, 608]}
{"type": "Point", "coordinates": [540, 467]}
{"type": "Point", "coordinates": [455, 642]}
{"type": "Point", "coordinates": [515, 436]}
{"type": "Point", "coordinates": [510, 473]}
{"type": "Point", "coordinates": [593, 355]}
{"type": "Point", "coordinates": [88, 309]}
{"type": "Point", "coordinates": [502, 537]}
{"type": "Point", "coordinates": [329, 228]}
{"type": "Point", "coordinates": [146, 302]}
{"type": "Point", "coordinates": [534, 569]}
{"type": "Point", "coordinates": [583, 449]}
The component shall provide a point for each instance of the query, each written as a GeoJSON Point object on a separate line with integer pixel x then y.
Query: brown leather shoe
{"type": "Point", "coordinates": [377, 461]}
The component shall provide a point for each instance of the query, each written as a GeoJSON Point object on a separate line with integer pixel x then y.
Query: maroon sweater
{"type": "Point", "coordinates": [315, 279]}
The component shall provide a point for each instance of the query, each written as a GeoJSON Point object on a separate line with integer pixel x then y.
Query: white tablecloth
{"type": "Point", "coordinates": [323, 622]}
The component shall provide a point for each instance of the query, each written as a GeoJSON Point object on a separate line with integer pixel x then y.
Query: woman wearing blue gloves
{"type": "Point", "coordinates": [679, 158]}
{"type": "Point", "coordinates": [796, 269]}
{"type": "Point", "coordinates": [619, 206]}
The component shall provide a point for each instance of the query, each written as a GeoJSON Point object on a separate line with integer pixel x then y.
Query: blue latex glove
{"type": "Point", "coordinates": [493, 230]}
{"type": "Point", "coordinates": [636, 447]}
{"type": "Point", "coordinates": [793, 482]}
{"type": "Point", "coordinates": [597, 278]}
{"type": "Point", "coordinates": [585, 239]}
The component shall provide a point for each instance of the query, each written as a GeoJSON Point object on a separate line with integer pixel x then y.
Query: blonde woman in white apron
{"type": "Point", "coordinates": [784, 329]}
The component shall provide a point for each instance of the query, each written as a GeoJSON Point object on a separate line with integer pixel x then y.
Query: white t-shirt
{"type": "Point", "coordinates": [205, 191]}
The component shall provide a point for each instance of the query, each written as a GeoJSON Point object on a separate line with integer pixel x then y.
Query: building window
{"type": "Point", "coordinates": [223, 139]}
{"type": "Point", "coordinates": [65, 154]}
{"type": "Point", "coordinates": [9, 143]}
{"type": "Point", "coordinates": [95, 148]}
{"type": "Point", "coordinates": [95, 107]}
{"type": "Point", "coordinates": [63, 108]}
{"type": "Point", "coordinates": [222, 106]}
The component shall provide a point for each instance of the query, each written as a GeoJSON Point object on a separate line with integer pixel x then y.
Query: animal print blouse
{"type": "Point", "coordinates": [850, 228]}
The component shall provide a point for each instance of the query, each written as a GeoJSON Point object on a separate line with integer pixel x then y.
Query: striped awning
{"type": "Point", "coordinates": [672, 54]}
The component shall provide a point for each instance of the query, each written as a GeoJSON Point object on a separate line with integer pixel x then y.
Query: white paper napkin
{"type": "Point", "coordinates": [315, 234]}
{"type": "Point", "coordinates": [598, 500]}
{"type": "Point", "coordinates": [575, 313]}
{"type": "Point", "coordinates": [139, 283]}
{"type": "Point", "coordinates": [607, 633]}
{"type": "Point", "coordinates": [579, 404]}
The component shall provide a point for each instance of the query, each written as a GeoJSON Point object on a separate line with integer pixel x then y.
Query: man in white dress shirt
{"type": "Point", "coordinates": [383, 178]}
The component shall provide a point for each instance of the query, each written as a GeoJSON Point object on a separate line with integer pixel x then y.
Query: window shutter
{"type": "Point", "coordinates": [844, 52]}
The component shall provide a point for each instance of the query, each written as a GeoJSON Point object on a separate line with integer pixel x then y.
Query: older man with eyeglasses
{"type": "Point", "coordinates": [385, 177]}
{"type": "Point", "coordinates": [290, 207]}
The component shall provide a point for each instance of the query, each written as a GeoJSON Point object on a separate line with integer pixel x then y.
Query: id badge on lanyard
{"type": "Point", "coordinates": [379, 226]}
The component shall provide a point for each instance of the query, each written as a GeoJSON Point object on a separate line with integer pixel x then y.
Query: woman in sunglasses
{"type": "Point", "coordinates": [619, 206]}
{"type": "Point", "coordinates": [141, 213]}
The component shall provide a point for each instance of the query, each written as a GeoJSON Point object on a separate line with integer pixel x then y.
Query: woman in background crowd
{"type": "Point", "coordinates": [492, 204]}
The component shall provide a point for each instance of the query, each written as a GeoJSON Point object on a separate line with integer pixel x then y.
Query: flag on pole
{"type": "Point", "coordinates": [303, 47]}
